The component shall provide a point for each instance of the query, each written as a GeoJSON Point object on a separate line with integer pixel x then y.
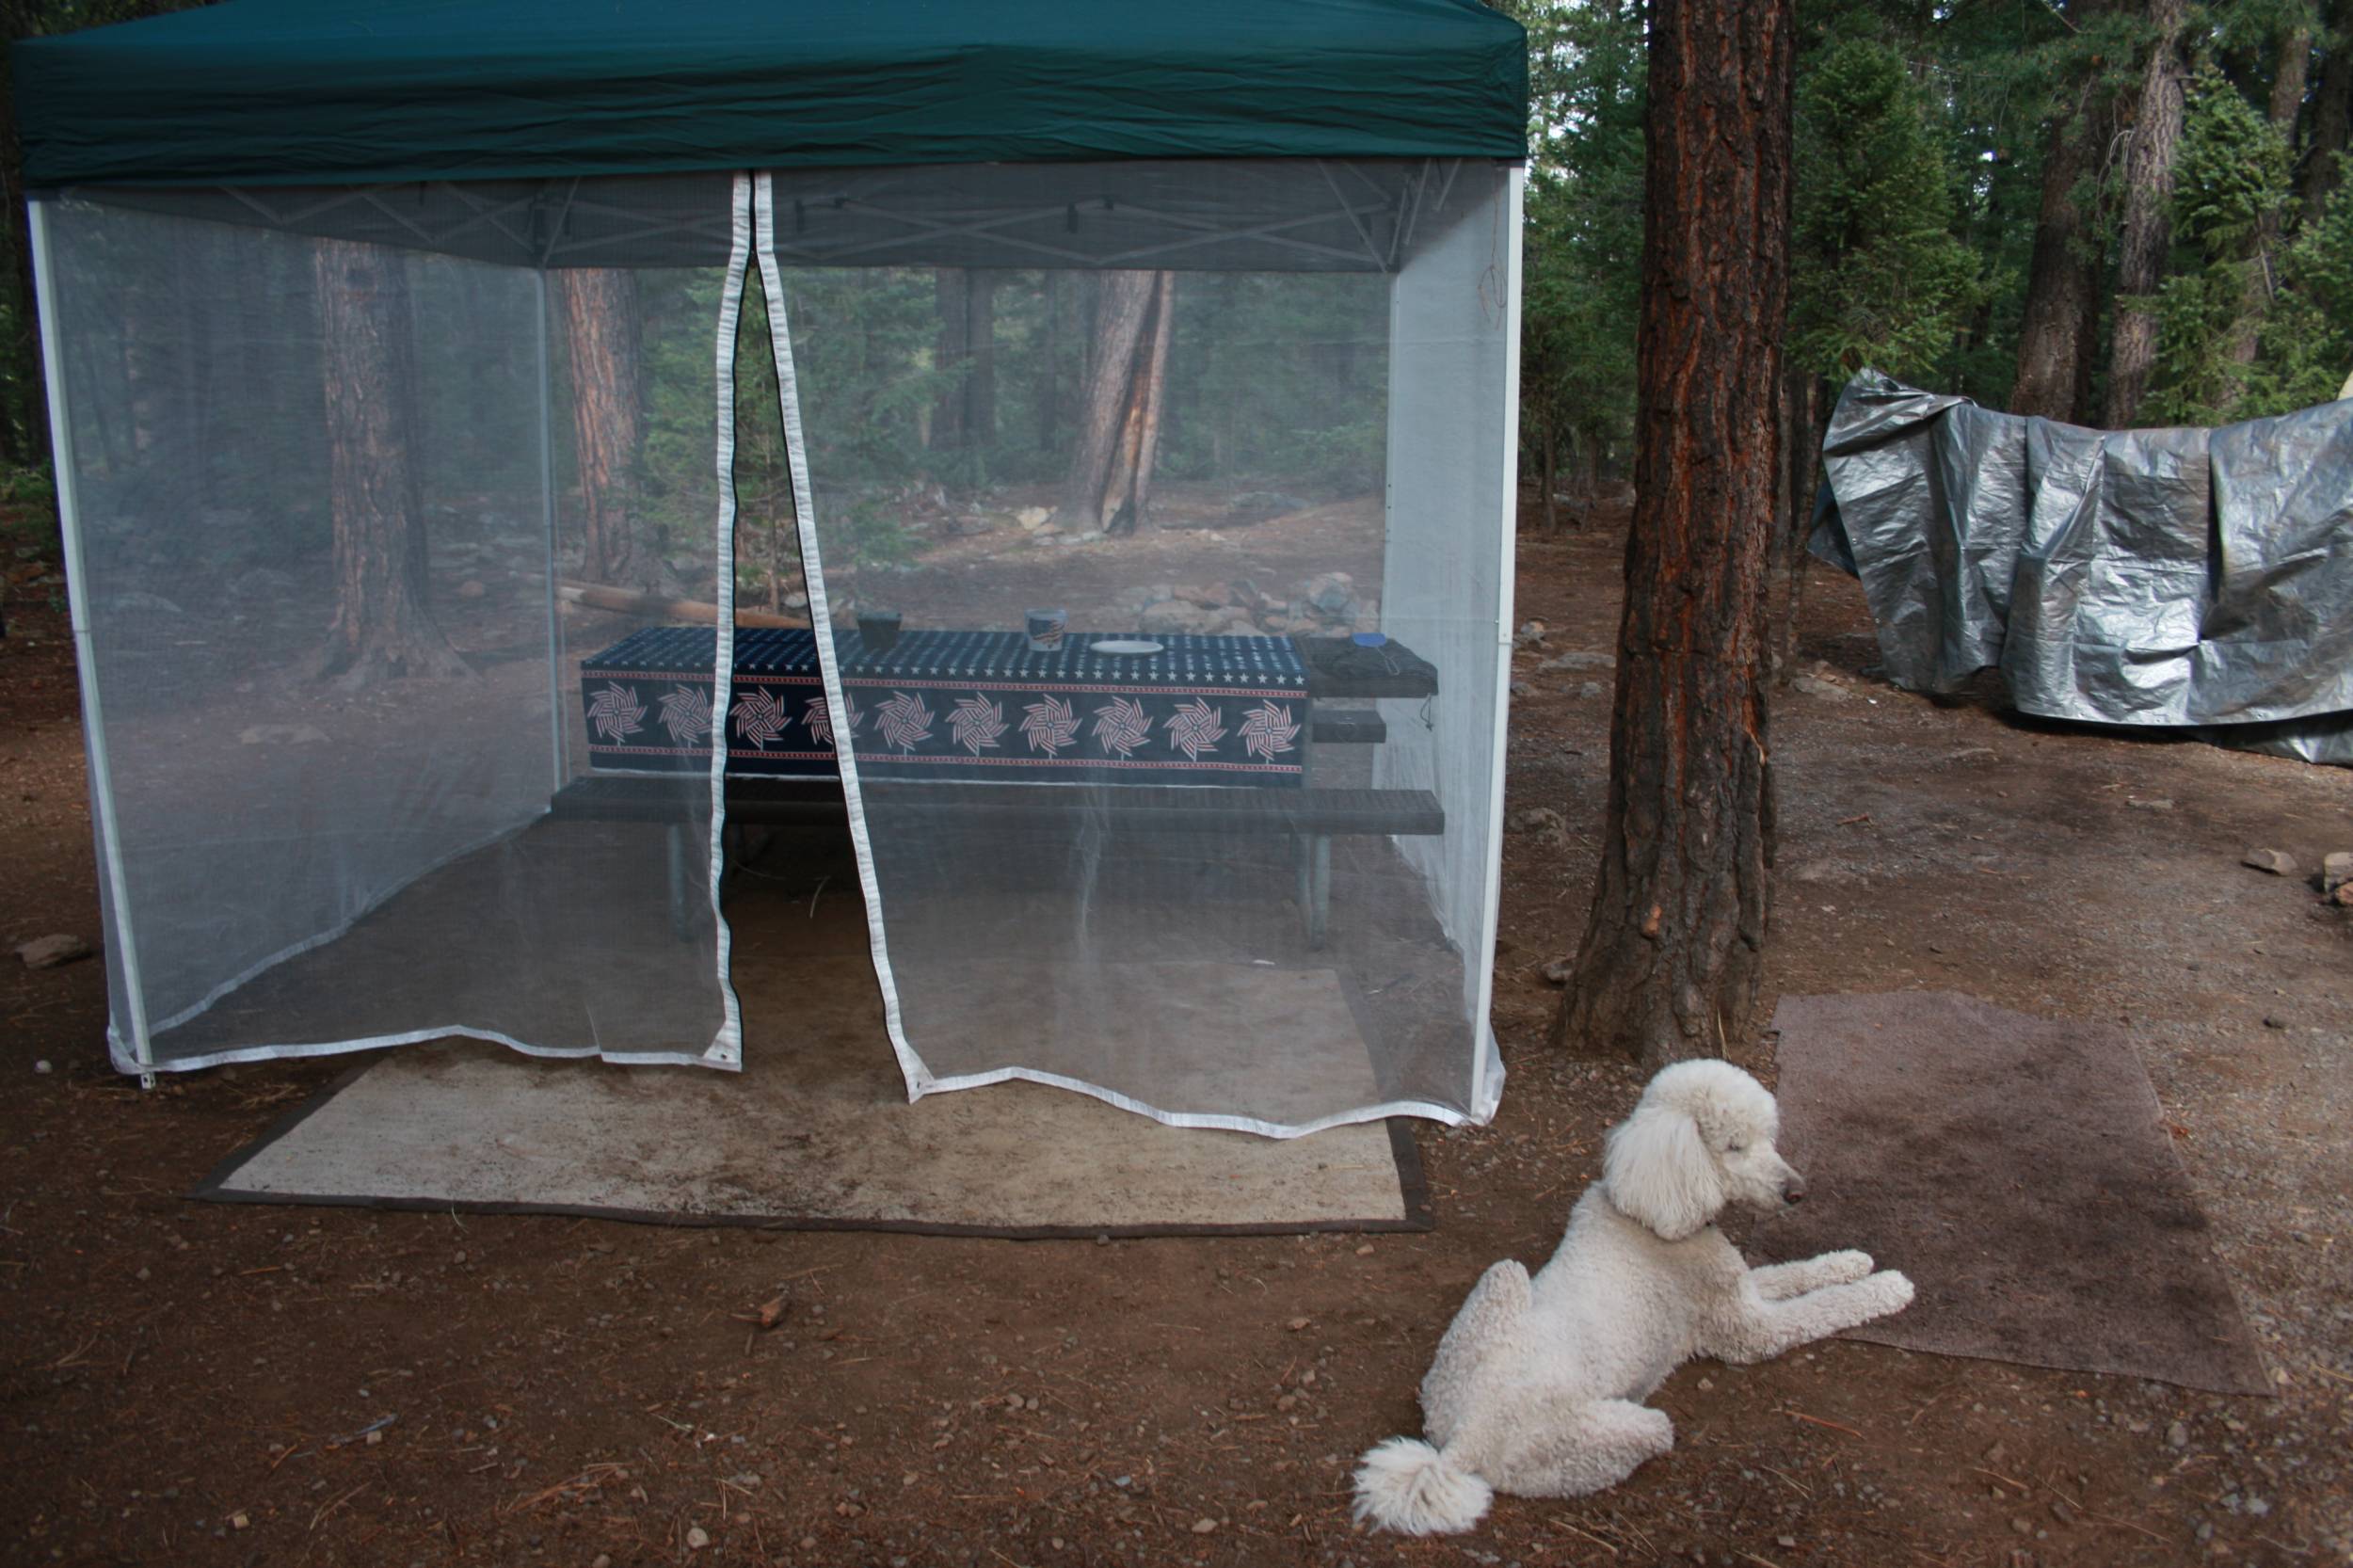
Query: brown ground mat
{"type": "Point", "coordinates": [817, 1134]}
{"type": "Point", "coordinates": [2017, 1168]}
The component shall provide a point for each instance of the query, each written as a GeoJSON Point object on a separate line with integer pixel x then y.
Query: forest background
{"type": "Point", "coordinates": [2111, 211]}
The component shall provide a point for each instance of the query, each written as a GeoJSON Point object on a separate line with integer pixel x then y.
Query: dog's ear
{"type": "Point", "coordinates": [1659, 1175]}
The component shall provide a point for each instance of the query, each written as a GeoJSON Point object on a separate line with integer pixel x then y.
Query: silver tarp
{"type": "Point", "coordinates": [2184, 577]}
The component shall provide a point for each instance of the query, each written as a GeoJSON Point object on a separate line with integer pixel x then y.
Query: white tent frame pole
{"type": "Point", "coordinates": [1507, 536]}
{"type": "Point", "coordinates": [77, 601]}
{"type": "Point", "coordinates": [547, 518]}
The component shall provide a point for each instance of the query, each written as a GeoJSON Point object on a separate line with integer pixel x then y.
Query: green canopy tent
{"type": "Point", "coordinates": [402, 430]}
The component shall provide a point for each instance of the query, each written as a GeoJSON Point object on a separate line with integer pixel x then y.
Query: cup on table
{"type": "Point", "coordinates": [878, 628]}
{"type": "Point", "coordinates": [1047, 629]}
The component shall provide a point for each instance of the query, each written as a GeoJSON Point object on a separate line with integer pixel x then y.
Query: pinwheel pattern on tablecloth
{"type": "Point", "coordinates": [904, 721]}
{"type": "Point", "coordinates": [976, 723]}
{"type": "Point", "coordinates": [759, 717]}
{"type": "Point", "coordinates": [1267, 732]}
{"type": "Point", "coordinates": [1121, 726]}
{"type": "Point", "coordinates": [616, 714]}
{"type": "Point", "coordinates": [1195, 727]}
{"type": "Point", "coordinates": [1050, 726]}
{"type": "Point", "coordinates": [686, 713]}
{"type": "Point", "coordinates": [820, 719]}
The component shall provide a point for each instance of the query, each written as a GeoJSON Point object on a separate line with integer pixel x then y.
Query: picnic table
{"type": "Point", "coordinates": [1204, 735]}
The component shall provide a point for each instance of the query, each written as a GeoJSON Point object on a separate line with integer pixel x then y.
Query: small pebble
{"type": "Point", "coordinates": [1202, 1527]}
{"type": "Point", "coordinates": [696, 1538]}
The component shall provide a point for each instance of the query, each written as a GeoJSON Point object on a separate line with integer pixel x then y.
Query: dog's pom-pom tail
{"type": "Point", "coordinates": [1407, 1486]}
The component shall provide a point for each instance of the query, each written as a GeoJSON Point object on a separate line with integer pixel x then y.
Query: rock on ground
{"type": "Point", "coordinates": [48, 952]}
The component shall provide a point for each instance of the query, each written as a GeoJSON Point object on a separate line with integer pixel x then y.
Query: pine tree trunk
{"type": "Point", "coordinates": [951, 355]}
{"type": "Point", "coordinates": [1049, 389]}
{"type": "Point", "coordinates": [1810, 406]}
{"type": "Point", "coordinates": [1548, 474]}
{"type": "Point", "coordinates": [980, 337]}
{"type": "Point", "coordinates": [383, 627]}
{"type": "Point", "coordinates": [25, 419]}
{"type": "Point", "coordinates": [2148, 227]}
{"type": "Point", "coordinates": [2331, 120]}
{"type": "Point", "coordinates": [1121, 316]}
{"type": "Point", "coordinates": [2062, 276]}
{"type": "Point", "coordinates": [601, 329]}
{"type": "Point", "coordinates": [1152, 411]}
{"type": "Point", "coordinates": [1670, 962]}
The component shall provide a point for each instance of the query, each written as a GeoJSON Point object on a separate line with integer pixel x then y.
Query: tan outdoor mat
{"type": "Point", "coordinates": [2017, 1168]}
{"type": "Point", "coordinates": [817, 1134]}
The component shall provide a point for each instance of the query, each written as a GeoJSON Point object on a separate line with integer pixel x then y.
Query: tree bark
{"type": "Point", "coordinates": [1049, 397]}
{"type": "Point", "coordinates": [600, 330]}
{"type": "Point", "coordinates": [965, 413]}
{"type": "Point", "coordinates": [979, 336]}
{"type": "Point", "coordinates": [1152, 393]}
{"type": "Point", "coordinates": [2148, 227]}
{"type": "Point", "coordinates": [1548, 474]}
{"type": "Point", "coordinates": [2331, 122]}
{"type": "Point", "coordinates": [1809, 404]}
{"type": "Point", "coordinates": [2062, 276]}
{"type": "Point", "coordinates": [382, 626]}
{"type": "Point", "coordinates": [1122, 314]}
{"type": "Point", "coordinates": [1670, 962]}
{"type": "Point", "coordinates": [951, 352]}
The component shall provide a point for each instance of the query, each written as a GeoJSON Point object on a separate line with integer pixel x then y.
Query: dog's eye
{"type": "Point", "coordinates": [1734, 1148]}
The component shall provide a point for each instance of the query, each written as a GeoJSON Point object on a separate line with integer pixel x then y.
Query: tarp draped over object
{"type": "Point", "coordinates": [386, 91]}
{"type": "Point", "coordinates": [2187, 578]}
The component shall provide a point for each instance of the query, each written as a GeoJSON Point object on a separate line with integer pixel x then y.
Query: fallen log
{"type": "Point", "coordinates": [627, 602]}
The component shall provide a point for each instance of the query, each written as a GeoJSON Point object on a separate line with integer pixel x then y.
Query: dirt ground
{"type": "Point", "coordinates": [183, 1383]}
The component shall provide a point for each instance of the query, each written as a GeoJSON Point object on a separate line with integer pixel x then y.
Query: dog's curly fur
{"type": "Point", "coordinates": [1538, 1385]}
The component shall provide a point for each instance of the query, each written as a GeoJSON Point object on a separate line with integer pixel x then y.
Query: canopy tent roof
{"type": "Point", "coordinates": [318, 93]}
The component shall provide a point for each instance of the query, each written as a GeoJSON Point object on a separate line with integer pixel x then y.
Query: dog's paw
{"type": "Point", "coordinates": [1885, 1293]}
{"type": "Point", "coordinates": [1838, 1268]}
{"type": "Point", "coordinates": [1655, 1432]}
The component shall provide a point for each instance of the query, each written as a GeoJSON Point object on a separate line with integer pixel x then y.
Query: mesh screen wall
{"type": "Point", "coordinates": [410, 533]}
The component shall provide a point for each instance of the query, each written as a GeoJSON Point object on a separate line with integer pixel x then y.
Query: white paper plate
{"type": "Point", "coordinates": [1125, 645]}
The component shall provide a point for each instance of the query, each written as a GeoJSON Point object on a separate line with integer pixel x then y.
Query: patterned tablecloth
{"type": "Point", "coordinates": [963, 705]}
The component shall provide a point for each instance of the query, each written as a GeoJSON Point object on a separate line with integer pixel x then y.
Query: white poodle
{"type": "Point", "coordinates": [1537, 1386]}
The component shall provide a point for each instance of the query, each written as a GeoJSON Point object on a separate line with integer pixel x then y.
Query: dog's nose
{"type": "Point", "coordinates": [1793, 1191]}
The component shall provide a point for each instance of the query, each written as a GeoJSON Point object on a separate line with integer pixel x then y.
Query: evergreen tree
{"type": "Point", "coordinates": [1878, 276]}
{"type": "Point", "coordinates": [2230, 179]}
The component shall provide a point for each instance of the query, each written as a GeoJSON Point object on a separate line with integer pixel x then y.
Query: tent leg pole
{"type": "Point", "coordinates": [675, 838]}
{"type": "Point", "coordinates": [1315, 887]}
{"type": "Point", "coordinates": [547, 520]}
{"type": "Point", "coordinates": [121, 940]}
